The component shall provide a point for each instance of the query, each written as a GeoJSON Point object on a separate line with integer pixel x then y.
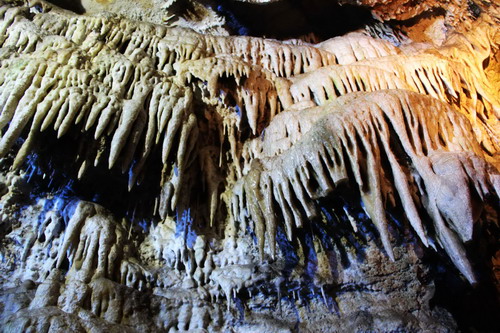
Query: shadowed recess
{"type": "Point", "coordinates": [293, 18]}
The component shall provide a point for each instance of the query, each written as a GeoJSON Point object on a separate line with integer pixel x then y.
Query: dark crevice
{"type": "Point", "coordinates": [474, 9]}
{"type": "Point", "coordinates": [435, 12]}
{"type": "Point", "coordinates": [55, 158]}
{"type": "Point", "coordinates": [475, 308]}
{"type": "Point", "coordinates": [292, 18]}
{"type": "Point", "coordinates": [73, 5]}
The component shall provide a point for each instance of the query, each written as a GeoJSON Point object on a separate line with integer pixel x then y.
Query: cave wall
{"type": "Point", "coordinates": [183, 166]}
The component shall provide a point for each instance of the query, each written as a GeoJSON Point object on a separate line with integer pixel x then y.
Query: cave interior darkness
{"type": "Point", "coordinates": [280, 20]}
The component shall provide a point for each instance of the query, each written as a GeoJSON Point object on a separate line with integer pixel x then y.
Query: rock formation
{"type": "Point", "coordinates": [162, 171]}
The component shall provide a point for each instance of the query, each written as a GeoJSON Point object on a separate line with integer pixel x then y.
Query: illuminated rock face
{"type": "Point", "coordinates": [160, 178]}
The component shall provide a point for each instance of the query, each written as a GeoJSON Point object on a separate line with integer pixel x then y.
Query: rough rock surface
{"type": "Point", "coordinates": [160, 171]}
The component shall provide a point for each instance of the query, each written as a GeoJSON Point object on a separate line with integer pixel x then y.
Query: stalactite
{"type": "Point", "coordinates": [273, 172]}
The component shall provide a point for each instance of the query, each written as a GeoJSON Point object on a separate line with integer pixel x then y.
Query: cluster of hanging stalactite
{"type": "Point", "coordinates": [268, 128]}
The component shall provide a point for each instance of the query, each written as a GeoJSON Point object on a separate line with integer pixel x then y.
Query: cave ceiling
{"type": "Point", "coordinates": [249, 166]}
